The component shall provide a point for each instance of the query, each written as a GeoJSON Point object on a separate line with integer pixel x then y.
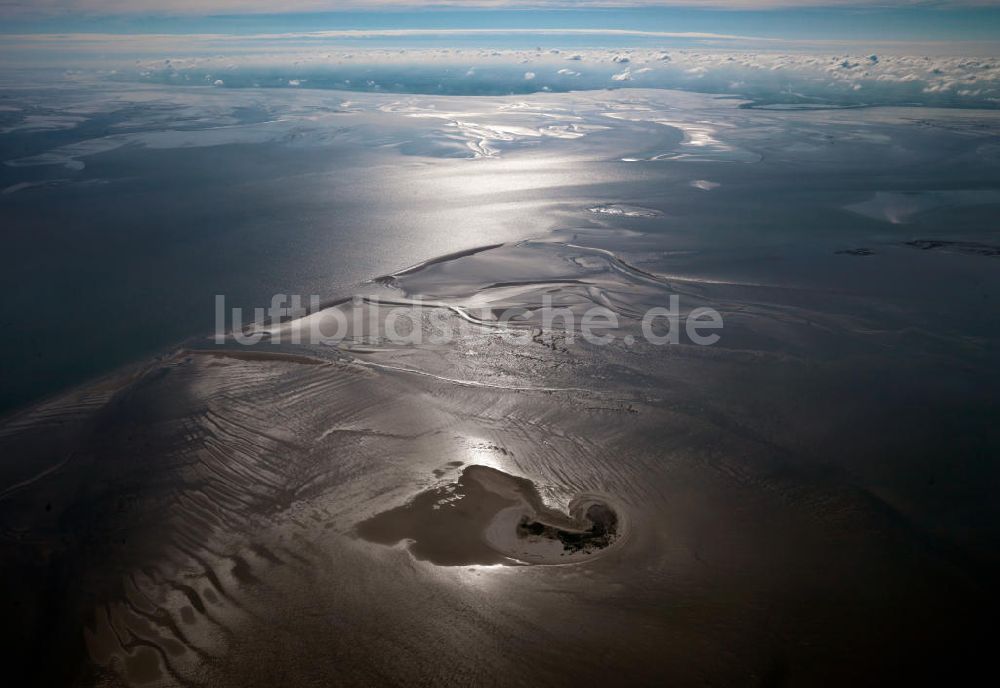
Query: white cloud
{"type": "Point", "coordinates": [778, 73]}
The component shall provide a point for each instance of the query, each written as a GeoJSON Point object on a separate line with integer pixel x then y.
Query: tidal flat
{"type": "Point", "coordinates": [810, 500]}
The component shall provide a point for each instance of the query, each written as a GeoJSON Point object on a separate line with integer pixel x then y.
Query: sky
{"type": "Point", "coordinates": [916, 20]}
{"type": "Point", "coordinates": [268, 6]}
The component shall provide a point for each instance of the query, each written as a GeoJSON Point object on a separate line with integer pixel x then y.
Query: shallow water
{"type": "Point", "coordinates": [815, 486]}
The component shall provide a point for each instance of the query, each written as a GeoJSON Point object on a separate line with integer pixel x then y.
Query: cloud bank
{"type": "Point", "coordinates": [767, 78]}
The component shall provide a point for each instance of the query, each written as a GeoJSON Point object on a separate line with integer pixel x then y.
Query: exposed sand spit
{"type": "Point", "coordinates": [490, 517]}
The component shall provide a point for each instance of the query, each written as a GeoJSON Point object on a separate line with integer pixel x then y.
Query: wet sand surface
{"type": "Point", "coordinates": [490, 517]}
{"type": "Point", "coordinates": [809, 501]}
